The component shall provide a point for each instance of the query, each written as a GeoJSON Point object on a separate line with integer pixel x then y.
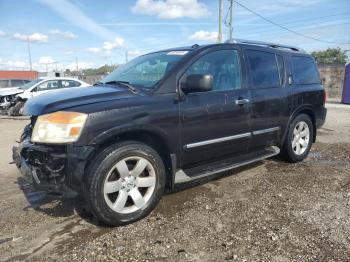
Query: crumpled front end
{"type": "Point", "coordinates": [53, 168]}
{"type": "Point", "coordinates": [7, 101]}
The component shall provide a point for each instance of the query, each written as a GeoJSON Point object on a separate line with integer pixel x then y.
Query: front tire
{"type": "Point", "coordinates": [299, 139]}
{"type": "Point", "coordinates": [124, 183]}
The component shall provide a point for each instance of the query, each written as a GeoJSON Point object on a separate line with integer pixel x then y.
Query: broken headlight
{"type": "Point", "coordinates": [59, 127]}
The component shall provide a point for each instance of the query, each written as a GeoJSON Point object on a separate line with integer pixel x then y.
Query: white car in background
{"type": "Point", "coordinates": [13, 100]}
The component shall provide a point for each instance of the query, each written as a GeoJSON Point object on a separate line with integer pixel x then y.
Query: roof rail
{"type": "Point", "coordinates": [260, 43]}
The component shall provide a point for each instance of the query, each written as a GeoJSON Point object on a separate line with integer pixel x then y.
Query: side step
{"type": "Point", "coordinates": [191, 174]}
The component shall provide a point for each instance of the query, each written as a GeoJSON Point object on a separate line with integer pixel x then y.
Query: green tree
{"type": "Point", "coordinates": [103, 70]}
{"type": "Point", "coordinates": [331, 56]}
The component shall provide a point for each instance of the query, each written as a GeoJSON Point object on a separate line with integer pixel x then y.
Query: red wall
{"type": "Point", "coordinates": [19, 74]}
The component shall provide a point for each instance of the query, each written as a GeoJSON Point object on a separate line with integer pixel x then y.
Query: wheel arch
{"type": "Point", "coordinates": [302, 110]}
{"type": "Point", "coordinates": [152, 138]}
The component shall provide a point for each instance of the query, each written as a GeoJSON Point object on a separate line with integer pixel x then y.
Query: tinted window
{"type": "Point", "coordinates": [304, 71]}
{"type": "Point", "coordinates": [4, 83]}
{"type": "Point", "coordinates": [280, 62]}
{"type": "Point", "coordinates": [222, 65]}
{"type": "Point", "coordinates": [264, 69]}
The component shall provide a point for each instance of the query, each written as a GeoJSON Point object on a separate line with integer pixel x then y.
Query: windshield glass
{"type": "Point", "coordinates": [31, 83]}
{"type": "Point", "coordinates": [145, 71]}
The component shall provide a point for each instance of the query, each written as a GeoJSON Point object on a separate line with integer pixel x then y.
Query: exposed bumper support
{"type": "Point", "coordinates": [55, 169]}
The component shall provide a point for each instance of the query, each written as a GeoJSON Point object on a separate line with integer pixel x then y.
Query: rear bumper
{"type": "Point", "coordinates": [320, 114]}
{"type": "Point", "coordinates": [54, 169]}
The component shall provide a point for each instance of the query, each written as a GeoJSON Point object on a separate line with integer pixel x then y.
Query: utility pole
{"type": "Point", "coordinates": [230, 23]}
{"type": "Point", "coordinates": [220, 21]}
{"type": "Point", "coordinates": [29, 54]}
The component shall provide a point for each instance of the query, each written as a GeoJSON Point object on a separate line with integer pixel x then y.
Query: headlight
{"type": "Point", "coordinates": [59, 127]}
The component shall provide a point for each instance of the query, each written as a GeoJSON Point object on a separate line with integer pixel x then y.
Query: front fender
{"type": "Point", "coordinates": [124, 129]}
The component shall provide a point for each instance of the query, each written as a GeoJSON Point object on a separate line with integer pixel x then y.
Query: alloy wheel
{"type": "Point", "coordinates": [129, 184]}
{"type": "Point", "coordinates": [301, 138]}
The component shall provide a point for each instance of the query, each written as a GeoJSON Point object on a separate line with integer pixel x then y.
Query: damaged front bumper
{"type": "Point", "coordinates": [56, 169]}
{"type": "Point", "coordinates": [7, 101]}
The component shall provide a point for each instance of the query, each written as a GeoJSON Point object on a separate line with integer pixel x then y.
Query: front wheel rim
{"type": "Point", "coordinates": [129, 185]}
{"type": "Point", "coordinates": [301, 138]}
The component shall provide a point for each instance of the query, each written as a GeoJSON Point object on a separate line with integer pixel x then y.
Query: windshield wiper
{"type": "Point", "coordinates": [122, 83]}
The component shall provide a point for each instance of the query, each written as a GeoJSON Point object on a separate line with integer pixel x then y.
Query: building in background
{"type": "Point", "coordinates": [7, 74]}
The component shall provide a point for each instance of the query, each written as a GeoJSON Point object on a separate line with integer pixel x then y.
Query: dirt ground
{"type": "Point", "coordinates": [268, 211]}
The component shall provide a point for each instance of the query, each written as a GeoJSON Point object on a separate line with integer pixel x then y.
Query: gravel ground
{"type": "Point", "coordinates": [268, 211]}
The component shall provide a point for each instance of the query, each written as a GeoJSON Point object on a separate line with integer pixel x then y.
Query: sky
{"type": "Point", "coordinates": [88, 33]}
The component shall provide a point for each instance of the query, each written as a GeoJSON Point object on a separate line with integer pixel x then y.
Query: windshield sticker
{"type": "Point", "coordinates": [177, 53]}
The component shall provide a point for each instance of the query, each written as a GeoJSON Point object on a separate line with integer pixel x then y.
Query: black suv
{"type": "Point", "coordinates": [169, 118]}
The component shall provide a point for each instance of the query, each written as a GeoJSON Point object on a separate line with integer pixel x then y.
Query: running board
{"type": "Point", "coordinates": [189, 175]}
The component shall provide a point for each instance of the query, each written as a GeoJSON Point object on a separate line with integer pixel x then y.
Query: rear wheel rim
{"type": "Point", "coordinates": [301, 138]}
{"type": "Point", "coordinates": [129, 185]}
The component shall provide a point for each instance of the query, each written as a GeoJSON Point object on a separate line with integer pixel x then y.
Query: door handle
{"type": "Point", "coordinates": [241, 101]}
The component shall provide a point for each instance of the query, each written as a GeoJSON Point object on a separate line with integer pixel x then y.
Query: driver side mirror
{"type": "Point", "coordinates": [197, 83]}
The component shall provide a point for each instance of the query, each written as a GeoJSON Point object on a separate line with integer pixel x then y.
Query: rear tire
{"type": "Point", "coordinates": [124, 183]}
{"type": "Point", "coordinates": [299, 139]}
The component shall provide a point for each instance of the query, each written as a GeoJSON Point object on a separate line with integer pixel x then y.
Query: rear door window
{"type": "Point", "coordinates": [263, 69]}
{"type": "Point", "coordinates": [69, 83]}
{"type": "Point", "coordinates": [304, 71]}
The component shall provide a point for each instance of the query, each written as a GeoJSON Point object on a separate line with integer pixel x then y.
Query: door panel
{"type": "Point", "coordinates": [213, 119]}
{"type": "Point", "coordinates": [269, 96]}
{"type": "Point", "coordinates": [213, 125]}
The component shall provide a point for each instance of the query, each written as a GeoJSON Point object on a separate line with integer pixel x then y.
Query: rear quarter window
{"type": "Point", "coordinates": [304, 71]}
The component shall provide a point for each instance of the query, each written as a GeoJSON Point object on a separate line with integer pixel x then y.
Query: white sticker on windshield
{"type": "Point", "coordinates": [177, 53]}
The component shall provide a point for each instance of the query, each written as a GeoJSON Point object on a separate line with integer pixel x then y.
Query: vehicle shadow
{"type": "Point", "coordinates": [54, 205]}
{"type": "Point", "coordinates": [57, 206]}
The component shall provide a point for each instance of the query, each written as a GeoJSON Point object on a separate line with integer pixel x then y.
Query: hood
{"type": "Point", "coordinates": [10, 91]}
{"type": "Point", "coordinates": [77, 96]}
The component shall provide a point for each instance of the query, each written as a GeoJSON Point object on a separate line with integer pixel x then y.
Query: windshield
{"type": "Point", "coordinates": [145, 71]}
{"type": "Point", "coordinates": [31, 83]}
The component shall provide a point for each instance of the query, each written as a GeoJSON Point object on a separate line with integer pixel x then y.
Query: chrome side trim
{"type": "Point", "coordinates": [217, 140]}
{"type": "Point", "coordinates": [268, 130]}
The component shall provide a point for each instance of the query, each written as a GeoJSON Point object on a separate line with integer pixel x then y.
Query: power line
{"type": "Point", "coordinates": [286, 28]}
{"type": "Point", "coordinates": [310, 27]}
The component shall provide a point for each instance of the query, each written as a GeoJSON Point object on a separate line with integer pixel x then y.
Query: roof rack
{"type": "Point", "coordinates": [260, 43]}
